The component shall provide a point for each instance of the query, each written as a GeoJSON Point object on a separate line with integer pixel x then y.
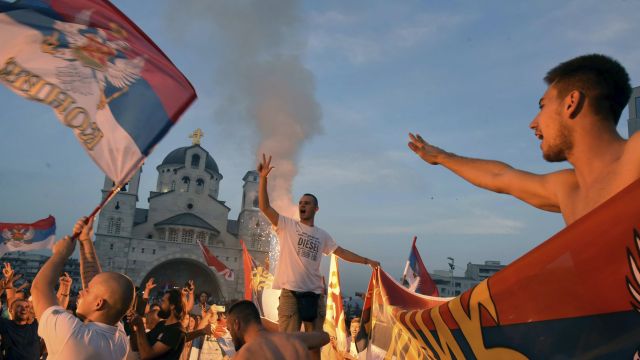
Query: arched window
{"type": "Point", "coordinates": [118, 226]}
{"type": "Point", "coordinates": [255, 202]}
{"type": "Point", "coordinates": [187, 182]}
{"type": "Point", "coordinates": [195, 161]}
{"type": "Point", "coordinates": [110, 225]}
{"type": "Point", "coordinates": [199, 186]}
{"type": "Point", "coordinates": [173, 185]}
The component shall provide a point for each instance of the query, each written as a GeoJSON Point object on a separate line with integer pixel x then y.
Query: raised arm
{"type": "Point", "coordinates": [349, 256]}
{"type": "Point", "coordinates": [64, 287]}
{"type": "Point", "coordinates": [89, 263]}
{"type": "Point", "coordinates": [44, 282]}
{"type": "Point", "coordinates": [535, 190]}
{"type": "Point", "coordinates": [188, 293]}
{"type": "Point", "coordinates": [264, 168]}
{"type": "Point", "coordinates": [9, 278]}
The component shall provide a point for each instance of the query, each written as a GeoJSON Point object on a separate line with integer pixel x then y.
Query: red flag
{"type": "Point", "coordinates": [212, 261]}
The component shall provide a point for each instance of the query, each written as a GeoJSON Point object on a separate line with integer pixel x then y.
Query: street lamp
{"type": "Point", "coordinates": [452, 266]}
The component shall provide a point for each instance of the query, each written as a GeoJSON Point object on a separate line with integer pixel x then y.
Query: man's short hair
{"type": "Point", "coordinates": [245, 312]}
{"type": "Point", "coordinates": [15, 301]}
{"type": "Point", "coordinates": [602, 79]}
{"type": "Point", "coordinates": [355, 320]}
{"type": "Point", "coordinates": [315, 199]}
{"type": "Point", "coordinates": [177, 300]}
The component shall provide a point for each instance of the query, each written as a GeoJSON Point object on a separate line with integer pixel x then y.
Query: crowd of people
{"type": "Point", "coordinates": [577, 123]}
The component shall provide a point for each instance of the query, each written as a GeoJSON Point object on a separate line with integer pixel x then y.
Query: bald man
{"type": "Point", "coordinates": [96, 331]}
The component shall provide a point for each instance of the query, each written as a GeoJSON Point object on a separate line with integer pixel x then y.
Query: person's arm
{"type": "Point", "coordinates": [42, 289]}
{"type": "Point", "coordinates": [146, 351]}
{"type": "Point", "coordinates": [313, 339]}
{"type": "Point", "coordinates": [264, 168]}
{"type": "Point", "coordinates": [496, 176]}
{"type": "Point", "coordinates": [9, 278]}
{"type": "Point", "coordinates": [349, 256]}
{"type": "Point", "coordinates": [199, 332]}
{"type": "Point", "coordinates": [63, 290]}
{"type": "Point", "coordinates": [188, 293]}
{"type": "Point", "coordinates": [143, 304]}
{"type": "Point", "coordinates": [89, 263]}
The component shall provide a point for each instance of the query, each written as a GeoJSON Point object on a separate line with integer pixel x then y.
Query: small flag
{"type": "Point", "coordinates": [258, 283]}
{"type": "Point", "coordinates": [212, 261]}
{"type": "Point", "coordinates": [416, 277]}
{"type": "Point", "coordinates": [26, 237]}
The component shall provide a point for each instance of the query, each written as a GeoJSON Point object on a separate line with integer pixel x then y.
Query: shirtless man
{"type": "Point", "coordinates": [577, 123]}
{"type": "Point", "coordinates": [253, 341]}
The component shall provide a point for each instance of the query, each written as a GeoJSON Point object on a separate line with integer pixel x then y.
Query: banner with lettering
{"type": "Point", "coordinates": [102, 76]}
{"type": "Point", "coordinates": [576, 296]}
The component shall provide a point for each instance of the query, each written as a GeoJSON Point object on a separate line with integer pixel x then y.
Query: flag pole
{"type": "Point", "coordinates": [112, 193]}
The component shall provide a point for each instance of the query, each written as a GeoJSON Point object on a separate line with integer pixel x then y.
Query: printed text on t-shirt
{"type": "Point", "coordinates": [308, 246]}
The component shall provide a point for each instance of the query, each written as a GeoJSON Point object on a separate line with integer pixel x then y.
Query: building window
{"type": "Point", "coordinates": [153, 252]}
{"type": "Point", "coordinates": [173, 185]}
{"type": "Point", "coordinates": [187, 236]}
{"type": "Point", "coordinates": [142, 250]}
{"type": "Point", "coordinates": [162, 233]}
{"type": "Point", "coordinates": [117, 226]}
{"type": "Point", "coordinates": [255, 202]}
{"type": "Point", "coordinates": [111, 246]}
{"type": "Point", "coordinates": [133, 249]}
{"type": "Point", "coordinates": [110, 225]}
{"type": "Point", "coordinates": [173, 235]}
{"type": "Point", "coordinates": [186, 183]}
{"type": "Point", "coordinates": [195, 161]}
{"type": "Point", "coordinates": [199, 186]}
{"type": "Point", "coordinates": [202, 236]}
{"type": "Point", "coordinates": [212, 237]}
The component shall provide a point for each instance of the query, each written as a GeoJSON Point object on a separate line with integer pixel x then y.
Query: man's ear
{"type": "Point", "coordinates": [573, 103]}
{"type": "Point", "coordinates": [100, 304]}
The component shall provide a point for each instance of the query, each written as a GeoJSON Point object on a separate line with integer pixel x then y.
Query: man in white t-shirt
{"type": "Point", "coordinates": [298, 270]}
{"type": "Point", "coordinates": [96, 332]}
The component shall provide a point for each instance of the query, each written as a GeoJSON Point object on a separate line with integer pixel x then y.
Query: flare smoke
{"type": "Point", "coordinates": [262, 81]}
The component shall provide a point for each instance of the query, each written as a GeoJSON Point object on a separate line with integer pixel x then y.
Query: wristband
{"type": "Point", "coordinates": [67, 294]}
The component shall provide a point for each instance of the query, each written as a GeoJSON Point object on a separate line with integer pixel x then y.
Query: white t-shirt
{"type": "Point", "coordinates": [68, 337]}
{"type": "Point", "coordinates": [301, 247]}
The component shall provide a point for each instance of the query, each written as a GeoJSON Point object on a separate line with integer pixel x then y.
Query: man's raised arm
{"type": "Point", "coordinates": [89, 263]}
{"type": "Point", "coordinates": [264, 168]}
{"type": "Point", "coordinates": [535, 190]}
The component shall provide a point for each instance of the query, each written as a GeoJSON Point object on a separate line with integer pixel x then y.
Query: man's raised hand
{"type": "Point", "coordinates": [264, 167]}
{"type": "Point", "coordinates": [84, 230]}
{"type": "Point", "coordinates": [426, 151]}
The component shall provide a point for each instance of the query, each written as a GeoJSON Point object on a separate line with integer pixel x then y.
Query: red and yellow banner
{"type": "Point", "coordinates": [576, 296]}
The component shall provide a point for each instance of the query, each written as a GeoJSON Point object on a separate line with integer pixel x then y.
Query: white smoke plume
{"type": "Point", "coordinates": [262, 79]}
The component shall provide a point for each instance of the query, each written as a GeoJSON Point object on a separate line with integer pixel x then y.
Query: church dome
{"type": "Point", "coordinates": [178, 157]}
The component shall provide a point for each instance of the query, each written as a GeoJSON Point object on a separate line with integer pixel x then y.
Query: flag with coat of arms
{"type": "Point", "coordinates": [213, 261]}
{"type": "Point", "coordinates": [26, 237]}
{"type": "Point", "coordinates": [101, 75]}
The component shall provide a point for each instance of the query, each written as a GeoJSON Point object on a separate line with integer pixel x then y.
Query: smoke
{"type": "Point", "coordinates": [261, 80]}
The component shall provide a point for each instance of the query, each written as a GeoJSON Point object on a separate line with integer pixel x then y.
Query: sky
{"type": "Point", "coordinates": [467, 76]}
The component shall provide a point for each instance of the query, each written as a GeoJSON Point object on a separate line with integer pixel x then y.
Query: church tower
{"type": "Point", "coordinates": [117, 216]}
{"type": "Point", "coordinates": [254, 228]}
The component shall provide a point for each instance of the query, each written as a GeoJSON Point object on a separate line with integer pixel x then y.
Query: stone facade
{"type": "Point", "coordinates": [184, 208]}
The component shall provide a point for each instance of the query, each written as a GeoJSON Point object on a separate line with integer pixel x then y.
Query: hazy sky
{"type": "Point", "coordinates": [465, 75]}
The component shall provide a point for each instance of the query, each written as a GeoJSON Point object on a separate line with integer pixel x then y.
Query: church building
{"type": "Point", "coordinates": [161, 242]}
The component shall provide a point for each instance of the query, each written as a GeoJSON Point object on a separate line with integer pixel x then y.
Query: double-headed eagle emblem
{"type": "Point", "coordinates": [95, 57]}
{"type": "Point", "coordinates": [18, 236]}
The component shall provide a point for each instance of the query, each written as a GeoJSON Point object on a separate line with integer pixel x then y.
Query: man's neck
{"type": "Point", "coordinates": [21, 322]}
{"type": "Point", "coordinates": [253, 332]}
{"type": "Point", "coordinates": [595, 151]}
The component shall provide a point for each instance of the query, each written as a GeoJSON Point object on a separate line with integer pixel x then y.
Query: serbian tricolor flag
{"type": "Point", "coordinates": [25, 237]}
{"type": "Point", "coordinates": [575, 296]}
{"type": "Point", "coordinates": [334, 322]}
{"type": "Point", "coordinates": [213, 261]}
{"type": "Point", "coordinates": [415, 275]}
{"type": "Point", "coordinates": [102, 76]}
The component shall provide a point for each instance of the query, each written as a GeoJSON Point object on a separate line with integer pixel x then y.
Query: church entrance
{"type": "Point", "coordinates": [175, 273]}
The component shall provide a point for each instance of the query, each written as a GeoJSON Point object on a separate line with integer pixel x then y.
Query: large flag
{"type": "Point", "coordinates": [258, 283]}
{"type": "Point", "coordinates": [415, 275]}
{"type": "Point", "coordinates": [334, 322]}
{"type": "Point", "coordinates": [25, 237]}
{"type": "Point", "coordinates": [575, 296]}
{"type": "Point", "coordinates": [213, 261]}
{"type": "Point", "coordinates": [103, 77]}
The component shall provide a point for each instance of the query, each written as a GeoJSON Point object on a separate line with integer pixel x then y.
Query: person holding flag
{"type": "Point", "coordinates": [298, 269]}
